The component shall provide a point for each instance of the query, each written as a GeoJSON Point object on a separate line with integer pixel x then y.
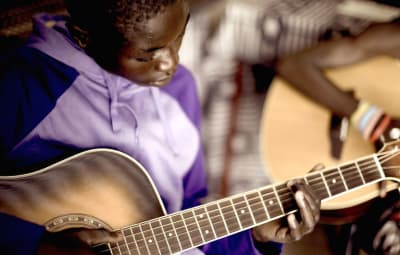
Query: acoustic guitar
{"type": "Point", "coordinates": [294, 129]}
{"type": "Point", "coordinates": [104, 188]}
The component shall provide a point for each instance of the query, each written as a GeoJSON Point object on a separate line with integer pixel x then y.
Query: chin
{"type": "Point", "coordinates": [160, 83]}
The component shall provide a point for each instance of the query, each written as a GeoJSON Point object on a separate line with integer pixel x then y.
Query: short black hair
{"type": "Point", "coordinates": [114, 17]}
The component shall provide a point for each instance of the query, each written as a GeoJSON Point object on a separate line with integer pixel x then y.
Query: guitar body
{"type": "Point", "coordinates": [104, 188]}
{"type": "Point", "coordinates": [294, 130]}
{"type": "Point", "coordinates": [98, 188]}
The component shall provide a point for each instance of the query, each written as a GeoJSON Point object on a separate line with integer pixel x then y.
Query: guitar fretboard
{"type": "Point", "coordinates": [199, 225]}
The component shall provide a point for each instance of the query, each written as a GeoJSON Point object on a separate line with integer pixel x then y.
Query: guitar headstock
{"type": "Point", "coordinates": [389, 157]}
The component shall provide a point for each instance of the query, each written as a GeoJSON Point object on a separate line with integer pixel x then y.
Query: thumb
{"type": "Point", "coordinates": [97, 236]}
{"type": "Point", "coordinates": [382, 189]}
{"type": "Point", "coordinates": [317, 167]}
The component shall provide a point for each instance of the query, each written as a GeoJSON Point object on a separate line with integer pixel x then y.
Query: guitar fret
{"type": "Point", "coordinates": [315, 180]}
{"type": "Point", "coordinates": [236, 214]}
{"type": "Point", "coordinates": [198, 226]}
{"type": "Point", "coordinates": [138, 237]}
{"type": "Point", "coordinates": [187, 243]}
{"type": "Point", "coordinates": [257, 206]}
{"type": "Point", "coordinates": [326, 184]}
{"type": "Point", "coordinates": [205, 225]}
{"type": "Point", "coordinates": [113, 247]}
{"type": "Point", "coordinates": [378, 166]}
{"type": "Point", "coordinates": [278, 198]}
{"type": "Point", "coordinates": [263, 203]}
{"type": "Point", "coordinates": [161, 237]}
{"type": "Point", "coordinates": [223, 218]}
{"type": "Point", "coordinates": [369, 170]}
{"type": "Point", "coordinates": [334, 181]}
{"type": "Point", "coordinates": [286, 198]}
{"type": "Point", "coordinates": [359, 171]}
{"type": "Point", "coordinates": [351, 175]}
{"type": "Point", "coordinates": [250, 210]}
{"type": "Point", "coordinates": [216, 220]}
{"type": "Point", "coordinates": [124, 248]}
{"type": "Point", "coordinates": [128, 238]}
{"type": "Point", "coordinates": [229, 216]}
{"type": "Point", "coordinates": [156, 239]}
{"type": "Point", "coordinates": [149, 238]}
{"type": "Point", "coordinates": [343, 180]}
{"type": "Point", "coordinates": [243, 212]}
{"type": "Point", "coordinates": [192, 226]}
{"type": "Point", "coordinates": [181, 232]}
{"type": "Point", "coordinates": [171, 234]}
{"type": "Point", "coordinates": [270, 200]}
{"type": "Point", "coordinates": [209, 220]}
{"type": "Point", "coordinates": [145, 241]}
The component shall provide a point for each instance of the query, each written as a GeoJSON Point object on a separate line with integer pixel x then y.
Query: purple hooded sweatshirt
{"type": "Point", "coordinates": [57, 101]}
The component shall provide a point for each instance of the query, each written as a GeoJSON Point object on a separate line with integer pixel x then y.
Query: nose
{"type": "Point", "coordinates": [167, 60]}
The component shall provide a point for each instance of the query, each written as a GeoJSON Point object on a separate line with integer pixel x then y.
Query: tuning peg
{"type": "Point", "coordinates": [394, 133]}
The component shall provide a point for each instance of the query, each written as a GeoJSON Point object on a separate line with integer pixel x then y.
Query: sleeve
{"type": "Point", "coordinates": [30, 84]}
{"type": "Point", "coordinates": [19, 237]}
{"type": "Point", "coordinates": [242, 243]}
{"type": "Point", "coordinates": [16, 236]}
{"type": "Point", "coordinates": [24, 99]}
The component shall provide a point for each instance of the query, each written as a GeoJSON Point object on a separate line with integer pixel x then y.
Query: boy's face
{"type": "Point", "coordinates": [153, 57]}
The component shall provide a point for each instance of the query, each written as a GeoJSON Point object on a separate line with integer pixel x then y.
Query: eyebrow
{"type": "Point", "coordinates": [157, 48]}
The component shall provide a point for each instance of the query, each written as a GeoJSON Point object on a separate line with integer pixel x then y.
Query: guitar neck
{"type": "Point", "coordinates": [202, 224]}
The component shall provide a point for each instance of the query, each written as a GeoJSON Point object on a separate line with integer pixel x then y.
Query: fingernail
{"type": "Point", "coordinates": [294, 185]}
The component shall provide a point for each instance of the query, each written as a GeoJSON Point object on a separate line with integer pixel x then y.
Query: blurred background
{"type": "Point", "coordinates": [231, 47]}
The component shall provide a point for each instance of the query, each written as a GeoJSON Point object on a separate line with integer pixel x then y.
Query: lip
{"type": "Point", "coordinates": [161, 81]}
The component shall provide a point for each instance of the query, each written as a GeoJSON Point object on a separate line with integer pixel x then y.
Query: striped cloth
{"type": "Point", "coordinates": [258, 30]}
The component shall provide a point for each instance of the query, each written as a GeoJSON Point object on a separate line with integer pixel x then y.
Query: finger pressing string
{"type": "Point", "coordinates": [295, 228]}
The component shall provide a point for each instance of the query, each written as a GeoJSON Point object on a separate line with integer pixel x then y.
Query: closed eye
{"type": "Point", "coordinates": [143, 59]}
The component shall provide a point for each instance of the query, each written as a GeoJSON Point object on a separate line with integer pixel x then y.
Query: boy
{"type": "Point", "coordinates": [109, 77]}
{"type": "Point", "coordinates": [375, 232]}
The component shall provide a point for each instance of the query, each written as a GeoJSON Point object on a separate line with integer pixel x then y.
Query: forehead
{"type": "Point", "coordinates": [163, 28]}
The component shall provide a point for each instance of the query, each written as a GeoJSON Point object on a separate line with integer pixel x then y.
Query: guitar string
{"type": "Point", "coordinates": [260, 204]}
{"type": "Point", "coordinates": [246, 207]}
{"type": "Point", "coordinates": [235, 217]}
{"type": "Point", "coordinates": [188, 236]}
{"type": "Point", "coordinates": [187, 240]}
{"type": "Point", "coordinates": [226, 231]}
{"type": "Point", "coordinates": [388, 157]}
{"type": "Point", "coordinates": [178, 238]}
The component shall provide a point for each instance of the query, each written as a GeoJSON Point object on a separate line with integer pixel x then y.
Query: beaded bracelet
{"type": "Point", "coordinates": [370, 120]}
{"type": "Point", "coordinates": [380, 128]}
